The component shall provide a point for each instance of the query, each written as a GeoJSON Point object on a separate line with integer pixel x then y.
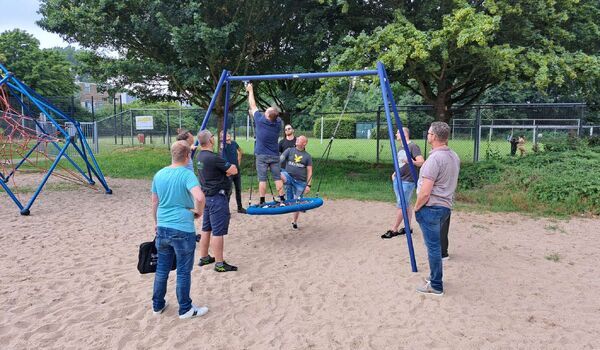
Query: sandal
{"type": "Point", "coordinates": [390, 234]}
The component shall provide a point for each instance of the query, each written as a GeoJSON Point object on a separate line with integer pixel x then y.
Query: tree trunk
{"type": "Point", "coordinates": [441, 108]}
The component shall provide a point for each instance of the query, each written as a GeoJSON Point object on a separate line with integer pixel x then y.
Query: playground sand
{"type": "Point", "coordinates": [69, 281]}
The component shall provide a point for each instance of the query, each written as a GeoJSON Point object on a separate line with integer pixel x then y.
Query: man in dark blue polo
{"type": "Point", "coordinates": [233, 154]}
{"type": "Point", "coordinates": [267, 127]}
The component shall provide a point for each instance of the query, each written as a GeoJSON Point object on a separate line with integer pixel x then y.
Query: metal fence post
{"type": "Point", "coordinates": [321, 129]}
{"type": "Point", "coordinates": [131, 113]}
{"type": "Point", "coordinates": [168, 131]}
{"type": "Point", "coordinates": [115, 118]}
{"type": "Point", "coordinates": [477, 134]}
{"type": "Point", "coordinates": [93, 110]}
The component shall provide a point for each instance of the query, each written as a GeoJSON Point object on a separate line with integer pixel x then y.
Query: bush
{"type": "Point", "coordinates": [594, 141]}
{"type": "Point", "coordinates": [562, 143]}
{"type": "Point", "coordinates": [347, 129]}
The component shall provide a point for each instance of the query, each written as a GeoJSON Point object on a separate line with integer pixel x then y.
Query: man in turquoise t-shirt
{"type": "Point", "coordinates": [176, 200]}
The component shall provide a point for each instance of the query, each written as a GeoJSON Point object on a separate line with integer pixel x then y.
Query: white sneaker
{"type": "Point", "coordinates": [156, 313]}
{"type": "Point", "coordinates": [195, 311]}
{"type": "Point", "coordinates": [446, 258]}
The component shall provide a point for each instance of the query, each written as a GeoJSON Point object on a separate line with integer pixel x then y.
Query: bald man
{"type": "Point", "coordinates": [267, 127]}
{"type": "Point", "coordinates": [297, 173]}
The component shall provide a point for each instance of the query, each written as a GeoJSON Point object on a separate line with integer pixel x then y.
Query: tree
{"type": "Point", "coordinates": [177, 49]}
{"type": "Point", "coordinates": [451, 52]}
{"type": "Point", "coordinates": [46, 71]}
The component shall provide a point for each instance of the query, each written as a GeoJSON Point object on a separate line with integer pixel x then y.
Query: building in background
{"type": "Point", "coordinates": [90, 96]}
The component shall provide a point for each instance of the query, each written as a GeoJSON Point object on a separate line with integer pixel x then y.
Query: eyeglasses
{"type": "Point", "coordinates": [288, 129]}
{"type": "Point", "coordinates": [430, 133]}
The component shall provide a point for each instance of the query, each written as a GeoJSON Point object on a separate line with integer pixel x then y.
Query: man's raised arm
{"type": "Point", "coordinates": [251, 100]}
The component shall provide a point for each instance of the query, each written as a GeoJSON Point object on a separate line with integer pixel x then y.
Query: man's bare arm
{"type": "Point", "coordinates": [232, 170]}
{"type": "Point", "coordinates": [251, 100]}
{"type": "Point", "coordinates": [154, 209]}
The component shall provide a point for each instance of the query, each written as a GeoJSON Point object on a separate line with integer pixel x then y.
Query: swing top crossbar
{"type": "Point", "coordinates": [358, 73]}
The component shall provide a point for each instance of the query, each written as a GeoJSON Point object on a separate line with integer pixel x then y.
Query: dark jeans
{"type": "Point", "coordinates": [171, 243]}
{"type": "Point", "coordinates": [237, 183]}
{"type": "Point", "coordinates": [444, 236]}
{"type": "Point", "coordinates": [430, 220]}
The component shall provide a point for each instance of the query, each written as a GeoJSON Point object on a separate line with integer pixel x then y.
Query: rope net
{"type": "Point", "coordinates": [30, 146]}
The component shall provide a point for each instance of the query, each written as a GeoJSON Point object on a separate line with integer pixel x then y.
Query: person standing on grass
{"type": "Point", "coordinates": [521, 145]}
{"type": "Point", "coordinates": [289, 141]}
{"type": "Point", "coordinates": [187, 136]}
{"type": "Point", "coordinates": [435, 194]}
{"type": "Point", "coordinates": [408, 183]}
{"type": "Point", "coordinates": [233, 154]}
{"type": "Point", "coordinates": [213, 172]}
{"type": "Point", "coordinates": [297, 175]}
{"type": "Point", "coordinates": [267, 127]}
{"type": "Point", "coordinates": [175, 193]}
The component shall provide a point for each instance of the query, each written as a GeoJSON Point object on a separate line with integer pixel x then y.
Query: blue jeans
{"type": "Point", "coordinates": [172, 243]}
{"type": "Point", "coordinates": [430, 220]}
{"type": "Point", "coordinates": [293, 188]}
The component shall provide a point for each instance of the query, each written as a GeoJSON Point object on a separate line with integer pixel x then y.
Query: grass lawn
{"type": "Point", "coordinates": [343, 149]}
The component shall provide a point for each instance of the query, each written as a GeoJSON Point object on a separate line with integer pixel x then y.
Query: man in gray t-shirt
{"type": "Point", "coordinates": [435, 194]}
{"type": "Point", "coordinates": [296, 173]}
{"type": "Point", "coordinates": [408, 183]}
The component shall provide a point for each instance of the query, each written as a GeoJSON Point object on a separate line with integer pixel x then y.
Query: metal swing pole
{"type": "Point", "coordinates": [385, 93]}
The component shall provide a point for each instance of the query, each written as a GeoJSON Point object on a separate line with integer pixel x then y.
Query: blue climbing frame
{"type": "Point", "coordinates": [388, 103]}
{"type": "Point", "coordinates": [16, 88]}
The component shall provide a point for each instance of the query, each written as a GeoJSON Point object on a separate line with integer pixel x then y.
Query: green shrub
{"type": "Point", "coordinates": [594, 141]}
{"type": "Point", "coordinates": [347, 129]}
{"type": "Point", "coordinates": [477, 175]}
{"type": "Point", "coordinates": [562, 143]}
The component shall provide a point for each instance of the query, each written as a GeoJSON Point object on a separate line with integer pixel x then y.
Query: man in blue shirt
{"type": "Point", "coordinates": [233, 154]}
{"type": "Point", "coordinates": [267, 127]}
{"type": "Point", "coordinates": [176, 200]}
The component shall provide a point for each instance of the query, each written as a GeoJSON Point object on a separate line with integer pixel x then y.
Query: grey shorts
{"type": "Point", "coordinates": [263, 162]}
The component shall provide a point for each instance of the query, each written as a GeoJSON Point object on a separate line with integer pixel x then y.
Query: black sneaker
{"type": "Point", "coordinates": [225, 267]}
{"type": "Point", "coordinates": [206, 261]}
{"type": "Point", "coordinates": [389, 234]}
{"type": "Point", "coordinates": [403, 231]}
{"type": "Point", "coordinates": [241, 210]}
{"type": "Point", "coordinates": [294, 226]}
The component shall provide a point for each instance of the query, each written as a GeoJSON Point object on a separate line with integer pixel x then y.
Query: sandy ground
{"type": "Point", "coordinates": [69, 281]}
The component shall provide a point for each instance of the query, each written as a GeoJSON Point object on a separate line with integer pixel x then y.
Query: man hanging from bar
{"type": "Point", "coordinates": [267, 127]}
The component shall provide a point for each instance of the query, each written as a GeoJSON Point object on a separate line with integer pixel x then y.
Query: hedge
{"type": "Point", "coordinates": [347, 129]}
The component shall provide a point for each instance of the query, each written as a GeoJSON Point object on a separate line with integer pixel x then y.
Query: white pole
{"type": "Point", "coordinates": [247, 126]}
{"type": "Point", "coordinates": [591, 131]}
{"type": "Point", "coordinates": [321, 129]}
{"type": "Point", "coordinates": [452, 128]}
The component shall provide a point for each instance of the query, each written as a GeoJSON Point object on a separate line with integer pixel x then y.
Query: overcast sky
{"type": "Point", "coordinates": [22, 14]}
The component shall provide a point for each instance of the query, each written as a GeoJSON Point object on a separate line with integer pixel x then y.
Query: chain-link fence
{"type": "Point", "coordinates": [477, 131]}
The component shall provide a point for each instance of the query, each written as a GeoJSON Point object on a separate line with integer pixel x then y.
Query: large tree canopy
{"type": "Point", "coordinates": [451, 52]}
{"type": "Point", "coordinates": [177, 49]}
{"type": "Point", "coordinates": [46, 71]}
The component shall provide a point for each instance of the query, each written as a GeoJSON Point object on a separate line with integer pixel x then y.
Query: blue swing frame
{"type": "Point", "coordinates": [389, 105]}
{"type": "Point", "coordinates": [16, 88]}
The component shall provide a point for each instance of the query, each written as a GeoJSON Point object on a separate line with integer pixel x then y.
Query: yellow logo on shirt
{"type": "Point", "coordinates": [297, 158]}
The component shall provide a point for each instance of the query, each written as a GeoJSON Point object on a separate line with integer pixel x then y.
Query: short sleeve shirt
{"type": "Point", "coordinates": [172, 186]}
{"type": "Point", "coordinates": [415, 151]}
{"type": "Point", "coordinates": [230, 154]}
{"type": "Point", "coordinates": [267, 135]}
{"type": "Point", "coordinates": [442, 168]}
{"type": "Point", "coordinates": [212, 173]}
{"type": "Point", "coordinates": [295, 163]}
{"type": "Point", "coordinates": [285, 144]}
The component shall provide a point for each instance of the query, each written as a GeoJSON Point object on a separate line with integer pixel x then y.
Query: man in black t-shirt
{"type": "Point", "coordinates": [213, 172]}
{"type": "Point", "coordinates": [289, 141]}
